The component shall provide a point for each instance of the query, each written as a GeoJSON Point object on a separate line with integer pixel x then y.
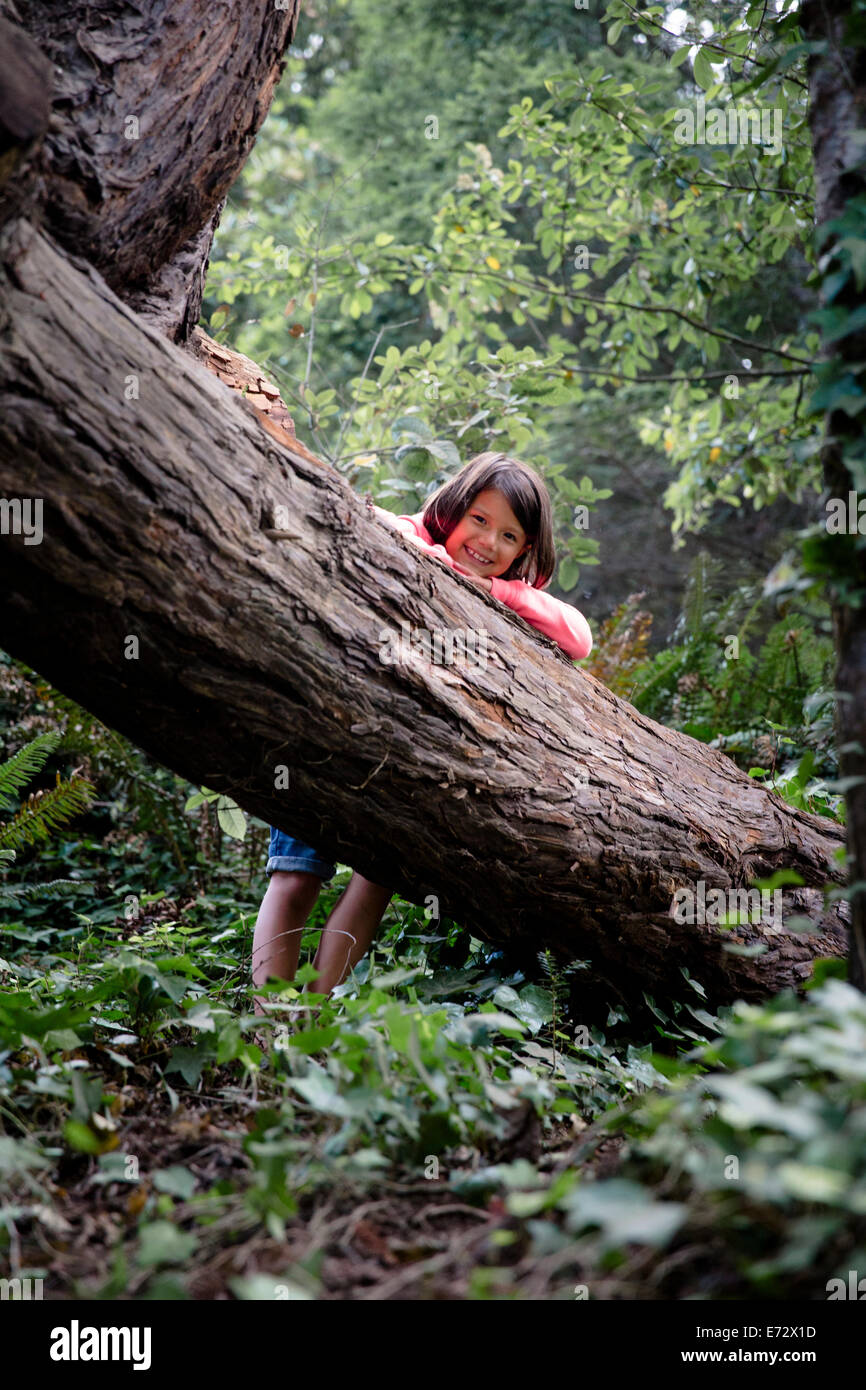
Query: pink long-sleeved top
{"type": "Point", "coordinates": [564, 624]}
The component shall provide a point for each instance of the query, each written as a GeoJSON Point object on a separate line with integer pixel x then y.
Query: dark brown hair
{"type": "Point", "coordinates": [527, 496]}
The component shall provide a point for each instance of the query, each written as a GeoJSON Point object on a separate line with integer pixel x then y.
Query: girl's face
{"type": "Point", "coordinates": [489, 537]}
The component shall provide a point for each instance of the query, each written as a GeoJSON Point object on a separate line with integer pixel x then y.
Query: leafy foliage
{"type": "Point", "coordinates": [583, 255]}
{"type": "Point", "coordinates": [767, 1144]}
{"type": "Point", "coordinates": [39, 815]}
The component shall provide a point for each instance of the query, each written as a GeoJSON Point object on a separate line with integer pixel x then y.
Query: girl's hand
{"type": "Point", "coordinates": [482, 579]}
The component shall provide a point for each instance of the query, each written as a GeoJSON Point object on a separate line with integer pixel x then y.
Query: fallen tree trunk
{"type": "Point", "coordinates": [223, 598]}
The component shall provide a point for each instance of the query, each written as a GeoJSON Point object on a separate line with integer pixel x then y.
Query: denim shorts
{"type": "Point", "coordinates": [289, 855]}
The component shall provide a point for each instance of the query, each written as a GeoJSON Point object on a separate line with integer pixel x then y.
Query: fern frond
{"type": "Point", "coordinates": [700, 592]}
{"type": "Point", "coordinates": [749, 620]}
{"type": "Point", "coordinates": [17, 771]}
{"type": "Point", "coordinates": [15, 893]}
{"type": "Point", "coordinates": [660, 671]}
{"type": "Point", "coordinates": [45, 811]}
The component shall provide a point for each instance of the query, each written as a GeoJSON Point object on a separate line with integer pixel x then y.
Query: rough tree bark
{"type": "Point", "coordinates": [210, 588]}
{"type": "Point", "coordinates": [25, 110]}
{"type": "Point", "coordinates": [155, 108]}
{"type": "Point", "coordinates": [837, 83]}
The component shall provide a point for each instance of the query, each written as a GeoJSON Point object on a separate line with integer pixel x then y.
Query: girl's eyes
{"type": "Point", "coordinates": [509, 535]}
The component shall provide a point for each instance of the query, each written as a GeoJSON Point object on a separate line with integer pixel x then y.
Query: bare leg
{"type": "Point", "coordinates": [289, 899]}
{"type": "Point", "coordinates": [349, 931]}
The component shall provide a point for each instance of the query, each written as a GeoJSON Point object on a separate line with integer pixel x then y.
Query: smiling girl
{"type": "Point", "coordinates": [492, 523]}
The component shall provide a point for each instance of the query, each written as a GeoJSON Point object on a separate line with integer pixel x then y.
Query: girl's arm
{"type": "Point", "coordinates": [406, 526]}
{"type": "Point", "coordinates": [565, 624]}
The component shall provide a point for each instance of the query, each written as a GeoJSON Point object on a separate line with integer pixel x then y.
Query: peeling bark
{"type": "Point", "coordinates": [244, 375]}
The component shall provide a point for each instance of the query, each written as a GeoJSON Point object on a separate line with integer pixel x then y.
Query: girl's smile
{"type": "Point", "coordinates": [473, 555]}
{"type": "Point", "coordinates": [489, 537]}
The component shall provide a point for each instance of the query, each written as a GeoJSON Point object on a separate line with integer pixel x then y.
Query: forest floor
{"type": "Point", "coordinates": [411, 1148]}
{"type": "Point", "coordinates": [397, 1238]}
